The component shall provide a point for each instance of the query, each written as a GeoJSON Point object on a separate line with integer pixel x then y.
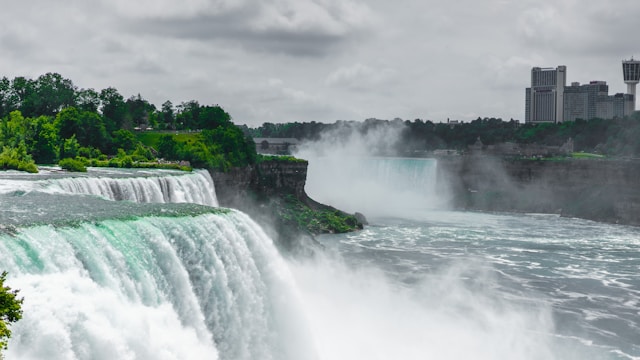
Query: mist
{"type": "Point", "coordinates": [454, 313]}
{"type": "Point", "coordinates": [356, 168]}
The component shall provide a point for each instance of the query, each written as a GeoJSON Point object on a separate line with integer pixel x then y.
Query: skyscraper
{"type": "Point", "coordinates": [631, 73]}
{"type": "Point", "coordinates": [545, 98]}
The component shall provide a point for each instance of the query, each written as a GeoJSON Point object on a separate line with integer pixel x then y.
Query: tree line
{"type": "Point", "coordinates": [48, 119]}
{"type": "Point", "coordinates": [617, 137]}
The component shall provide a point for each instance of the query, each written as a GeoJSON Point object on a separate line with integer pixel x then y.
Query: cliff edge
{"type": "Point", "coordinates": [596, 189]}
{"type": "Point", "coordinates": [272, 193]}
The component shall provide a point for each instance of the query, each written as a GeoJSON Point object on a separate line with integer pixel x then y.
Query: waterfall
{"type": "Point", "coordinates": [152, 187]}
{"type": "Point", "coordinates": [187, 287]}
{"type": "Point", "coordinates": [374, 186]}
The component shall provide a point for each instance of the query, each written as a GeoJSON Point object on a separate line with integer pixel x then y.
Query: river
{"type": "Point", "coordinates": [168, 275]}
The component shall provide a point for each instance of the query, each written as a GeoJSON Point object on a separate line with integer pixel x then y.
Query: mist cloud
{"type": "Point", "coordinates": [353, 167]}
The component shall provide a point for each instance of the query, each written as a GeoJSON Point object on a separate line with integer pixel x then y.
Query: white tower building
{"type": "Point", "coordinates": [631, 72]}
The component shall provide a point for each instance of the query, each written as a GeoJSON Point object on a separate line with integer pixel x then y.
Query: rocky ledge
{"type": "Point", "coordinates": [272, 193]}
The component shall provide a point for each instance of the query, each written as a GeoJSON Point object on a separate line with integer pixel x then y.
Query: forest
{"type": "Point", "coordinates": [49, 120]}
{"type": "Point", "coordinates": [614, 138]}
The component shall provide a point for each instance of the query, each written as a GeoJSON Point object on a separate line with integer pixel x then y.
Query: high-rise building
{"type": "Point", "coordinates": [581, 101]}
{"type": "Point", "coordinates": [545, 98]}
{"type": "Point", "coordinates": [614, 106]}
{"type": "Point", "coordinates": [631, 73]}
{"type": "Point", "coordinates": [550, 100]}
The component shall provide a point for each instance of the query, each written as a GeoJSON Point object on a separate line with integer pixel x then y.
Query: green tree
{"type": "Point", "coordinates": [8, 98]}
{"type": "Point", "coordinates": [125, 140]}
{"type": "Point", "coordinates": [139, 112]}
{"type": "Point", "coordinates": [188, 114]}
{"type": "Point", "coordinates": [211, 117]}
{"type": "Point", "coordinates": [70, 148]}
{"type": "Point", "coordinates": [17, 158]}
{"type": "Point", "coordinates": [168, 147]}
{"type": "Point", "coordinates": [43, 141]}
{"type": "Point", "coordinates": [167, 116]}
{"type": "Point", "coordinates": [10, 310]}
{"type": "Point", "coordinates": [47, 95]}
{"type": "Point", "coordinates": [87, 100]}
{"type": "Point", "coordinates": [23, 91]}
{"type": "Point", "coordinates": [113, 109]}
{"type": "Point", "coordinates": [13, 129]}
{"type": "Point", "coordinates": [86, 126]}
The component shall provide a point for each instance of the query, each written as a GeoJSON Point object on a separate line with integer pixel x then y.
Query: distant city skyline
{"type": "Point", "coordinates": [321, 60]}
{"type": "Point", "coordinates": [549, 100]}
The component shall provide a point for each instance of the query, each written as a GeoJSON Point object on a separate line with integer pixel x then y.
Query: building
{"type": "Point", "coordinates": [581, 101]}
{"type": "Point", "coordinates": [615, 106]}
{"type": "Point", "coordinates": [276, 146]}
{"type": "Point", "coordinates": [549, 100]}
{"type": "Point", "coordinates": [545, 98]}
{"type": "Point", "coordinates": [631, 73]}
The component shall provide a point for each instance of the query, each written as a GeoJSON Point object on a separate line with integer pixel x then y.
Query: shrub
{"type": "Point", "coordinates": [10, 310]}
{"type": "Point", "coordinates": [75, 165]}
{"type": "Point", "coordinates": [17, 159]}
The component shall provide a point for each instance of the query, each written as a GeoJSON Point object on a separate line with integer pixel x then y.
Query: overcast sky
{"type": "Point", "coordinates": [322, 60]}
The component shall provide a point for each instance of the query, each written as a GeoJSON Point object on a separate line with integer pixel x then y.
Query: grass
{"type": "Point", "coordinates": [583, 155]}
{"type": "Point", "coordinates": [282, 158]}
{"type": "Point", "coordinates": [152, 138]}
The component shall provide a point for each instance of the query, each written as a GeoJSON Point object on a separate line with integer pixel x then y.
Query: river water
{"type": "Point", "coordinates": [138, 277]}
{"type": "Point", "coordinates": [452, 285]}
{"type": "Point", "coordinates": [429, 283]}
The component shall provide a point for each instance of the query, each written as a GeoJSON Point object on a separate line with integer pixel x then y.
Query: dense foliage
{"type": "Point", "coordinates": [317, 221]}
{"type": "Point", "coordinates": [75, 165]}
{"type": "Point", "coordinates": [617, 137]}
{"type": "Point", "coordinates": [10, 310]}
{"type": "Point", "coordinates": [49, 119]}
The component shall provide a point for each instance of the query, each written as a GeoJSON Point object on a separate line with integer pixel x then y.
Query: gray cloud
{"type": "Point", "coordinates": [322, 60]}
{"type": "Point", "coordinates": [588, 27]}
{"type": "Point", "coordinates": [298, 28]}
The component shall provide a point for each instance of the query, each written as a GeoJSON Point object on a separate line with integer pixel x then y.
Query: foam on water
{"type": "Point", "coordinates": [158, 186]}
{"type": "Point", "coordinates": [154, 288]}
{"type": "Point", "coordinates": [475, 274]}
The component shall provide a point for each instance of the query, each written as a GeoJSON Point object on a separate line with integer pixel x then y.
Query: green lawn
{"type": "Point", "coordinates": [583, 155]}
{"type": "Point", "coordinates": [152, 138]}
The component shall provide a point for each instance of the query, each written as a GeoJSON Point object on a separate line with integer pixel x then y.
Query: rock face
{"type": "Point", "coordinates": [272, 193]}
{"type": "Point", "coordinates": [602, 190]}
{"type": "Point", "coordinates": [261, 181]}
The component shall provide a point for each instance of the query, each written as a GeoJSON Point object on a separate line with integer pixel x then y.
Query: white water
{"type": "Point", "coordinates": [146, 187]}
{"type": "Point", "coordinates": [362, 313]}
{"type": "Point", "coordinates": [154, 288]}
{"type": "Point", "coordinates": [443, 285]}
{"type": "Point", "coordinates": [374, 186]}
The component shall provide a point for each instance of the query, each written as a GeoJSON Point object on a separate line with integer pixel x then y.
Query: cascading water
{"type": "Point", "coordinates": [194, 283]}
{"type": "Point", "coordinates": [104, 279]}
{"type": "Point", "coordinates": [138, 186]}
{"type": "Point", "coordinates": [373, 186]}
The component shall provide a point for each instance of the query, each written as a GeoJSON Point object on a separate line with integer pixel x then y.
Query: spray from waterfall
{"type": "Point", "coordinates": [359, 171]}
